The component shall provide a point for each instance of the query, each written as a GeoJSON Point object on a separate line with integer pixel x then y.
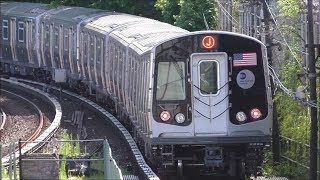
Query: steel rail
{"type": "Point", "coordinates": [48, 133]}
{"type": "Point", "coordinates": [3, 119]}
{"type": "Point", "coordinates": [40, 126]}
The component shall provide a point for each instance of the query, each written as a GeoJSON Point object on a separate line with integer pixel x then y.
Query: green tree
{"type": "Point", "coordinates": [293, 116]}
{"type": "Point", "coordinates": [138, 7]}
{"type": "Point", "coordinates": [188, 14]}
{"type": "Point", "coordinates": [169, 9]}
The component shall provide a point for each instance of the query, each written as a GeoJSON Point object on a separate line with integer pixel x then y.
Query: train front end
{"type": "Point", "coordinates": [211, 103]}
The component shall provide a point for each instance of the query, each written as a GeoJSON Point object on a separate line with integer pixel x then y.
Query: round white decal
{"type": "Point", "coordinates": [245, 79]}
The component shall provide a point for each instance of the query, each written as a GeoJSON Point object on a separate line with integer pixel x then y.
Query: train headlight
{"type": "Point", "coordinates": [180, 118]}
{"type": "Point", "coordinates": [165, 115]}
{"type": "Point", "coordinates": [241, 116]}
{"type": "Point", "coordinates": [255, 113]}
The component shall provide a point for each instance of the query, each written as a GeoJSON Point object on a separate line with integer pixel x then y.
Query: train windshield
{"type": "Point", "coordinates": [171, 81]}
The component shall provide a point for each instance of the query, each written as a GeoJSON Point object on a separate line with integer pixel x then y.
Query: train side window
{"type": "Point", "coordinates": [208, 74]}
{"type": "Point", "coordinates": [5, 25]}
{"type": "Point", "coordinates": [56, 37]}
{"type": "Point", "coordinates": [21, 31]}
{"type": "Point", "coordinates": [66, 40]}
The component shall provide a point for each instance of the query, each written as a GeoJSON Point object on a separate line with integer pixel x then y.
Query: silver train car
{"type": "Point", "coordinates": [191, 99]}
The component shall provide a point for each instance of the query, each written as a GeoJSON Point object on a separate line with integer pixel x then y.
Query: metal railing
{"type": "Point", "coordinates": [110, 168]}
{"type": "Point", "coordinates": [296, 153]}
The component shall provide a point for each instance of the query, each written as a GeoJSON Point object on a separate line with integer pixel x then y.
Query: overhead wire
{"type": "Point", "coordinates": [228, 15]}
{"type": "Point", "coordinates": [278, 41]}
{"type": "Point", "coordinates": [291, 94]}
{"type": "Point", "coordinates": [284, 39]}
{"type": "Point", "coordinates": [272, 72]}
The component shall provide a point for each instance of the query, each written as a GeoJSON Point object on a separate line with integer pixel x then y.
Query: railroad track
{"type": "Point", "coordinates": [30, 118]}
{"type": "Point", "coordinates": [3, 119]}
{"type": "Point", "coordinates": [36, 136]}
{"type": "Point", "coordinates": [144, 168]}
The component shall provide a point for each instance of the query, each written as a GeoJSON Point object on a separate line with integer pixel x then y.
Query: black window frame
{"type": "Point", "coordinates": [21, 31]}
{"type": "Point", "coordinates": [5, 30]}
{"type": "Point", "coordinates": [183, 79]}
{"type": "Point", "coordinates": [215, 89]}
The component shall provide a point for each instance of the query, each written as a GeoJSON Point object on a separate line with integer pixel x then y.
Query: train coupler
{"type": "Point", "coordinates": [214, 157]}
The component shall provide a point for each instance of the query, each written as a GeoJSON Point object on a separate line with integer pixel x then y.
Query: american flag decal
{"type": "Point", "coordinates": [244, 59]}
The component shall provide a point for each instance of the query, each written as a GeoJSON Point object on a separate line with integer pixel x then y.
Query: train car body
{"type": "Point", "coordinates": [201, 99]}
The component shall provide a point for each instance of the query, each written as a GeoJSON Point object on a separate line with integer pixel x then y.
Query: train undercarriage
{"type": "Point", "coordinates": [232, 161]}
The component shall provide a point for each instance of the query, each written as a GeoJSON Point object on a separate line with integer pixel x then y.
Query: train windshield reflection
{"type": "Point", "coordinates": [171, 81]}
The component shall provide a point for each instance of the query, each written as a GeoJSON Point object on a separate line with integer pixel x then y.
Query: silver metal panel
{"type": "Point", "coordinates": [106, 23]}
{"type": "Point", "coordinates": [107, 65]}
{"type": "Point", "coordinates": [111, 66]}
{"type": "Point", "coordinates": [13, 38]}
{"type": "Point", "coordinates": [210, 111]}
{"type": "Point", "coordinates": [126, 81]}
{"type": "Point", "coordinates": [30, 32]}
{"type": "Point", "coordinates": [90, 56]}
{"type": "Point", "coordinates": [123, 74]}
{"type": "Point", "coordinates": [83, 55]}
{"type": "Point", "coordinates": [145, 28]}
{"type": "Point", "coordinates": [51, 46]}
{"type": "Point", "coordinates": [153, 39]}
{"type": "Point", "coordinates": [139, 91]}
{"type": "Point", "coordinates": [98, 62]}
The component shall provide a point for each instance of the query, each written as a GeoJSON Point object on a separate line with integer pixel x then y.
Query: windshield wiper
{"type": "Point", "coordinates": [177, 67]}
{"type": "Point", "coordinates": [171, 82]}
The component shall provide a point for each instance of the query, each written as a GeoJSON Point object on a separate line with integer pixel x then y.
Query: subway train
{"type": "Point", "coordinates": [198, 100]}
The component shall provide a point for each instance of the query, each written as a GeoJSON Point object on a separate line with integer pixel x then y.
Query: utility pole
{"type": "Point", "coordinates": [269, 44]}
{"type": "Point", "coordinates": [313, 93]}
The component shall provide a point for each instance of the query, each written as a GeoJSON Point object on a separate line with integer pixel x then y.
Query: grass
{"type": "Point", "coordinates": [4, 173]}
{"type": "Point", "coordinates": [283, 169]}
{"type": "Point", "coordinates": [71, 149]}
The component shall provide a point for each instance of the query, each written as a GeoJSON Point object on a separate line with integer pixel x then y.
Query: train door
{"type": "Point", "coordinates": [210, 93]}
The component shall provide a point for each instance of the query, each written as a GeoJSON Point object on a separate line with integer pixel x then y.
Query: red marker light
{"type": "Point", "coordinates": [255, 113]}
{"type": "Point", "coordinates": [165, 115]}
{"type": "Point", "coordinates": [208, 42]}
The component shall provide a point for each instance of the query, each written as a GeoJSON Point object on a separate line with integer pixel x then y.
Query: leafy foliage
{"type": "Point", "coordinates": [4, 173]}
{"type": "Point", "coordinates": [293, 116]}
{"type": "Point", "coordinates": [169, 9]}
{"type": "Point", "coordinates": [289, 8]}
{"type": "Point", "coordinates": [283, 169]}
{"type": "Point", "coordinates": [138, 7]}
{"type": "Point", "coordinates": [193, 13]}
{"type": "Point", "coordinates": [188, 14]}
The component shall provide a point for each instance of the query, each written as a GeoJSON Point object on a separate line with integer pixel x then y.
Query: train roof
{"type": "Point", "coordinates": [66, 13]}
{"type": "Point", "coordinates": [141, 31]}
{"type": "Point", "coordinates": [23, 9]}
{"type": "Point", "coordinates": [72, 13]}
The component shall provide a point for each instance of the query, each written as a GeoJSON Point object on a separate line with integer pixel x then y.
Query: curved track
{"type": "Point", "coordinates": [28, 118]}
{"type": "Point", "coordinates": [144, 168]}
{"type": "Point", "coordinates": [47, 133]}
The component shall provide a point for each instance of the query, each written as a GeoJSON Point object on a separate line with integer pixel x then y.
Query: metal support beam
{"type": "Point", "coordinates": [313, 94]}
{"type": "Point", "coordinates": [275, 124]}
